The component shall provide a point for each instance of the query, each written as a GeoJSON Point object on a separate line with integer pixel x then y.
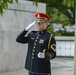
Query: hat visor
{"type": "Point", "coordinates": [40, 20]}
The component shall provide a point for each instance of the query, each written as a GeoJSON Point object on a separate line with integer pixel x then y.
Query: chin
{"type": "Point", "coordinates": [39, 29]}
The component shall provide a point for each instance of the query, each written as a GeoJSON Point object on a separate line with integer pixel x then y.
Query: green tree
{"type": "Point", "coordinates": [4, 5]}
{"type": "Point", "coordinates": [69, 3]}
{"type": "Point", "coordinates": [61, 11]}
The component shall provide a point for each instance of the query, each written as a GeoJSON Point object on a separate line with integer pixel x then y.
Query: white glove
{"type": "Point", "coordinates": [30, 25]}
{"type": "Point", "coordinates": [41, 55]}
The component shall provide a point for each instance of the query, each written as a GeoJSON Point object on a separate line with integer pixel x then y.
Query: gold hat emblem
{"type": "Point", "coordinates": [38, 15]}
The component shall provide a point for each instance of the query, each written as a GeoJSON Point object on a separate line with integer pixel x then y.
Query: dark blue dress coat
{"type": "Point", "coordinates": [38, 41]}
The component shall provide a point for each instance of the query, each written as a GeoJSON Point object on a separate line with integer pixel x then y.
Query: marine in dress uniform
{"type": "Point", "coordinates": [41, 48]}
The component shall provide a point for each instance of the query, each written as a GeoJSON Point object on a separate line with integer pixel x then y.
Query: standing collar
{"type": "Point", "coordinates": [43, 31]}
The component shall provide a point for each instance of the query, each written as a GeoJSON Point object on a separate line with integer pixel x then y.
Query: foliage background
{"type": "Point", "coordinates": [60, 11]}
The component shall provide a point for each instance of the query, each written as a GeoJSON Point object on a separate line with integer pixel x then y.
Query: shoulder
{"type": "Point", "coordinates": [33, 32]}
{"type": "Point", "coordinates": [50, 34]}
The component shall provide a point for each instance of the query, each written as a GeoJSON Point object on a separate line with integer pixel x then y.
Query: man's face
{"type": "Point", "coordinates": [41, 25]}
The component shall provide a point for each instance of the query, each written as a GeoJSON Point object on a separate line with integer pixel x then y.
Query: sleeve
{"type": "Point", "coordinates": [21, 37]}
{"type": "Point", "coordinates": [51, 52]}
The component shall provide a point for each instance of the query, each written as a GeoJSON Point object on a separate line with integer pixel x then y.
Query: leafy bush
{"type": "Point", "coordinates": [63, 33]}
{"type": "Point", "coordinates": [50, 29]}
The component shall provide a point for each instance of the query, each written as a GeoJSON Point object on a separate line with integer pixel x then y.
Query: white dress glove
{"type": "Point", "coordinates": [41, 55]}
{"type": "Point", "coordinates": [30, 25]}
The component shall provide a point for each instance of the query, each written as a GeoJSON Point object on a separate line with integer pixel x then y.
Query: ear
{"type": "Point", "coordinates": [46, 23]}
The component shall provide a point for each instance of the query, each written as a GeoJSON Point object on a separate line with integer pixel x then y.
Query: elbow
{"type": "Point", "coordinates": [17, 40]}
{"type": "Point", "coordinates": [53, 55]}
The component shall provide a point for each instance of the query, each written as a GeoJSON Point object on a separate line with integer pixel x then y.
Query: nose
{"type": "Point", "coordinates": [39, 23]}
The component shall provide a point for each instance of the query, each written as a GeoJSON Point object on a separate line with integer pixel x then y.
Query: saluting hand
{"type": "Point", "coordinates": [30, 25]}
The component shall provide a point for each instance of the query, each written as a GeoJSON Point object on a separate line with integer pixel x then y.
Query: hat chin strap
{"type": "Point", "coordinates": [40, 20]}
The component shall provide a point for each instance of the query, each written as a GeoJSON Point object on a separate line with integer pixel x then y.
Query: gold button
{"type": "Point", "coordinates": [38, 34]}
{"type": "Point", "coordinates": [34, 47]}
{"type": "Point", "coordinates": [33, 50]}
{"type": "Point", "coordinates": [41, 31]}
{"type": "Point", "coordinates": [35, 40]}
{"type": "Point", "coordinates": [34, 43]}
{"type": "Point", "coordinates": [32, 57]}
{"type": "Point", "coordinates": [32, 53]}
